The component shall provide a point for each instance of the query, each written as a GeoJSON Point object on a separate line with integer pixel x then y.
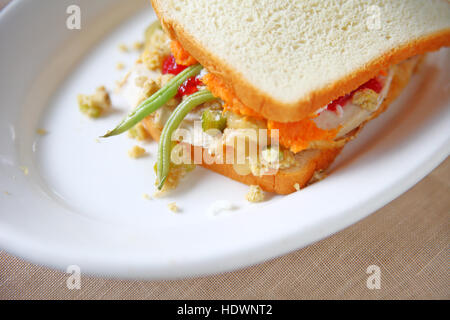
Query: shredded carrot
{"type": "Point", "coordinates": [182, 57]}
{"type": "Point", "coordinates": [297, 135]}
{"type": "Point", "coordinates": [232, 103]}
{"type": "Point", "coordinates": [383, 72]}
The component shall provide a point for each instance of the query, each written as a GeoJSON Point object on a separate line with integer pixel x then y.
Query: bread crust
{"type": "Point", "coordinates": [273, 109]}
{"type": "Point", "coordinates": [284, 182]}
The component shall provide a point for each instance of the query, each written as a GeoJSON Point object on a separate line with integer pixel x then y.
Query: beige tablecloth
{"type": "Point", "coordinates": [408, 240]}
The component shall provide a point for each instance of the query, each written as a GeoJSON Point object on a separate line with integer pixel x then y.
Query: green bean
{"type": "Point", "coordinates": [165, 142]}
{"type": "Point", "coordinates": [156, 101]}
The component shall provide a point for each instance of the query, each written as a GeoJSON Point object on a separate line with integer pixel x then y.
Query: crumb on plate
{"type": "Point", "coordinates": [120, 83]}
{"type": "Point", "coordinates": [136, 152]}
{"type": "Point", "coordinates": [138, 45]}
{"type": "Point", "coordinates": [139, 133]}
{"type": "Point", "coordinates": [24, 170]}
{"type": "Point", "coordinates": [146, 196]}
{"type": "Point", "coordinates": [120, 66]}
{"type": "Point", "coordinates": [173, 207]}
{"type": "Point", "coordinates": [96, 104]}
{"type": "Point", "coordinates": [123, 47]}
{"type": "Point", "coordinates": [41, 132]}
{"type": "Point", "coordinates": [255, 194]}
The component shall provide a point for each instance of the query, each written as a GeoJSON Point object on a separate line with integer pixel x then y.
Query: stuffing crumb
{"type": "Point", "coordinates": [24, 170]}
{"type": "Point", "coordinates": [255, 194]}
{"type": "Point", "coordinates": [156, 50]}
{"type": "Point", "coordinates": [96, 104]}
{"type": "Point", "coordinates": [121, 83]}
{"type": "Point", "coordinates": [149, 87]}
{"type": "Point", "coordinates": [173, 207]}
{"type": "Point", "coordinates": [6, 193]}
{"type": "Point", "coordinates": [123, 47]}
{"type": "Point", "coordinates": [366, 99]}
{"type": "Point", "coordinates": [164, 79]}
{"type": "Point", "coordinates": [158, 194]}
{"type": "Point", "coordinates": [120, 66]}
{"type": "Point", "coordinates": [41, 132]}
{"type": "Point", "coordinates": [146, 196]}
{"type": "Point", "coordinates": [297, 187]}
{"type": "Point", "coordinates": [136, 152]}
{"type": "Point", "coordinates": [139, 133]}
{"type": "Point", "coordinates": [140, 81]}
{"type": "Point", "coordinates": [138, 45]}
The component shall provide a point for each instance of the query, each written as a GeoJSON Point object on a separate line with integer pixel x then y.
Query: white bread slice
{"type": "Point", "coordinates": [309, 161]}
{"type": "Point", "coordinates": [287, 58]}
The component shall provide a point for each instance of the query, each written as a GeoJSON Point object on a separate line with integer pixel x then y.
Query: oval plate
{"type": "Point", "coordinates": [81, 202]}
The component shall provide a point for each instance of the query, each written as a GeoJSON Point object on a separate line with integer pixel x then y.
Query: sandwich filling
{"type": "Point", "coordinates": [329, 127]}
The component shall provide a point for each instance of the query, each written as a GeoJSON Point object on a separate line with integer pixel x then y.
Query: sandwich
{"type": "Point", "coordinates": [268, 93]}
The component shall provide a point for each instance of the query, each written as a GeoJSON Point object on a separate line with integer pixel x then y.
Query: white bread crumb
{"type": "Point", "coordinates": [220, 206]}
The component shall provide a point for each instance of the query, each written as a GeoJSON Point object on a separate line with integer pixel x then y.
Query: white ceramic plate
{"type": "Point", "coordinates": [81, 203]}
